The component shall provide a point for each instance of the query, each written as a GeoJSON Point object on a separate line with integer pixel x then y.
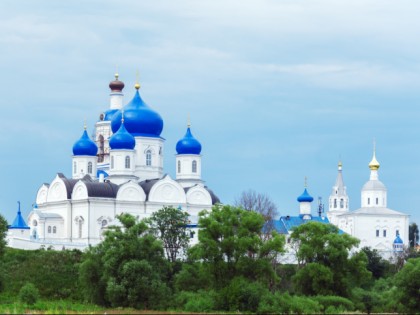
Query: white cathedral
{"type": "Point", "coordinates": [120, 171]}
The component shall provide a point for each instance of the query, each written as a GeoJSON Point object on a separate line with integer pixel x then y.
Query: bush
{"type": "Point", "coordinates": [197, 302]}
{"type": "Point", "coordinates": [285, 303]}
{"type": "Point", "coordinates": [331, 304]}
{"type": "Point", "coordinates": [28, 294]}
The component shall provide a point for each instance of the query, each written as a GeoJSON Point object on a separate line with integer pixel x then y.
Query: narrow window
{"type": "Point", "coordinates": [101, 145]}
{"type": "Point", "coordinates": [179, 166]}
{"type": "Point", "coordinates": [74, 167]}
{"type": "Point", "coordinates": [104, 223]}
{"type": "Point", "coordinates": [148, 158]}
{"type": "Point", "coordinates": [90, 168]}
{"type": "Point", "coordinates": [384, 233]}
{"type": "Point", "coordinates": [335, 203]}
{"type": "Point", "coordinates": [194, 166]}
{"type": "Point", "coordinates": [377, 200]}
{"type": "Point", "coordinates": [127, 162]}
{"type": "Point", "coordinates": [397, 232]}
{"type": "Point", "coordinates": [49, 229]}
{"type": "Point", "coordinates": [80, 228]}
{"type": "Point", "coordinates": [341, 203]}
{"type": "Point", "coordinates": [377, 233]}
{"type": "Point", "coordinates": [112, 162]}
{"type": "Point", "coordinates": [54, 230]}
{"type": "Point", "coordinates": [368, 201]}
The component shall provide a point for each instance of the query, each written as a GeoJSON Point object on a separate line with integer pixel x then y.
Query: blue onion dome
{"type": "Point", "coordinates": [122, 139]}
{"type": "Point", "coordinates": [107, 115]}
{"type": "Point", "coordinates": [139, 118]}
{"type": "Point", "coordinates": [305, 197]}
{"type": "Point", "coordinates": [398, 239]}
{"type": "Point", "coordinates": [188, 144]}
{"type": "Point", "coordinates": [85, 146]}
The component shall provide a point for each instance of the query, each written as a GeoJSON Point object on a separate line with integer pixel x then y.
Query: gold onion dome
{"type": "Point", "coordinates": [374, 164]}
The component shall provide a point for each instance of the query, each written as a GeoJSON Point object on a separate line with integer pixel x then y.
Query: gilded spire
{"type": "Point", "coordinates": [374, 164]}
{"type": "Point", "coordinates": [116, 73]}
{"type": "Point", "coordinates": [137, 85]}
{"type": "Point", "coordinates": [84, 124]}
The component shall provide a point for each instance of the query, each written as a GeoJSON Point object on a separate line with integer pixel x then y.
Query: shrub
{"type": "Point", "coordinates": [285, 303]}
{"type": "Point", "coordinates": [201, 301]}
{"type": "Point", "coordinates": [28, 294]}
{"type": "Point", "coordinates": [336, 302]}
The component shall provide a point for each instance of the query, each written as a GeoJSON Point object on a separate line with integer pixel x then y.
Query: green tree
{"type": "Point", "coordinates": [3, 233]}
{"type": "Point", "coordinates": [170, 225]}
{"type": "Point", "coordinates": [230, 246]}
{"type": "Point", "coordinates": [375, 263]}
{"type": "Point", "coordinates": [325, 264]}
{"type": "Point", "coordinates": [407, 282]}
{"type": "Point", "coordinates": [413, 234]}
{"type": "Point", "coordinates": [133, 267]}
{"type": "Point", "coordinates": [29, 294]}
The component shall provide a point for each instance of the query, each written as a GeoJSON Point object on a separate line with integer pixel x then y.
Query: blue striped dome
{"type": "Point", "coordinates": [188, 144]}
{"type": "Point", "coordinates": [139, 119]}
{"type": "Point", "coordinates": [122, 140]}
{"type": "Point", "coordinates": [305, 197]}
{"type": "Point", "coordinates": [398, 239]}
{"type": "Point", "coordinates": [85, 146]}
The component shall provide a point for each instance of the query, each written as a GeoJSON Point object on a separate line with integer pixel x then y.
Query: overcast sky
{"type": "Point", "coordinates": [276, 90]}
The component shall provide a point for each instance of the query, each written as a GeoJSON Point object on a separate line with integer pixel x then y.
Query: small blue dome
{"type": "Point", "coordinates": [122, 140]}
{"type": "Point", "coordinates": [398, 239]}
{"type": "Point", "coordinates": [188, 144]}
{"type": "Point", "coordinates": [305, 197]}
{"type": "Point", "coordinates": [99, 172]}
{"type": "Point", "coordinates": [85, 146]}
{"type": "Point", "coordinates": [139, 119]}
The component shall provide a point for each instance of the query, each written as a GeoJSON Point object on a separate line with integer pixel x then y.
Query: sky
{"type": "Point", "coordinates": [276, 90]}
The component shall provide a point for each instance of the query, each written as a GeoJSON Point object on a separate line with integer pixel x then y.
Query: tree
{"type": "Point", "coordinates": [325, 264]}
{"type": "Point", "coordinates": [133, 267]}
{"type": "Point", "coordinates": [413, 234]}
{"type": "Point", "coordinates": [375, 263]}
{"type": "Point", "coordinates": [230, 246]}
{"type": "Point", "coordinates": [252, 201]}
{"type": "Point", "coordinates": [170, 225]}
{"type": "Point", "coordinates": [407, 282]}
{"type": "Point", "coordinates": [3, 233]}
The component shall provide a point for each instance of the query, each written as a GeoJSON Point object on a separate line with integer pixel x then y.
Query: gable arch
{"type": "Point", "coordinates": [79, 191]}
{"type": "Point", "coordinates": [198, 195]}
{"type": "Point", "coordinates": [168, 191]}
{"type": "Point", "coordinates": [41, 196]}
{"type": "Point", "coordinates": [57, 190]}
{"type": "Point", "coordinates": [131, 191]}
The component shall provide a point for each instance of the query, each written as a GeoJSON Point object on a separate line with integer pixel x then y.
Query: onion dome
{"type": "Point", "coordinates": [188, 144]}
{"type": "Point", "coordinates": [139, 118]}
{"type": "Point", "coordinates": [19, 222]}
{"type": "Point", "coordinates": [305, 197]}
{"type": "Point", "coordinates": [122, 139]}
{"type": "Point", "coordinates": [398, 239]}
{"type": "Point", "coordinates": [374, 164]}
{"type": "Point", "coordinates": [116, 85]}
{"type": "Point", "coordinates": [85, 146]}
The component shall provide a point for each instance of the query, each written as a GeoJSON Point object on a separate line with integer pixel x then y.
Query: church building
{"type": "Point", "coordinates": [119, 171]}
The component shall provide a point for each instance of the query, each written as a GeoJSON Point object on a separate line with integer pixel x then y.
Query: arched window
{"type": "Point", "coordinates": [74, 167]}
{"type": "Point", "coordinates": [194, 166]}
{"type": "Point", "coordinates": [49, 229]}
{"type": "Point", "coordinates": [104, 223]}
{"type": "Point", "coordinates": [127, 162]}
{"type": "Point", "coordinates": [54, 229]}
{"type": "Point", "coordinates": [148, 158]}
{"type": "Point", "coordinates": [34, 222]}
{"type": "Point", "coordinates": [335, 203]}
{"type": "Point", "coordinates": [179, 166]}
{"type": "Point", "coordinates": [341, 203]}
{"type": "Point", "coordinates": [90, 168]}
{"type": "Point", "coordinates": [377, 200]}
{"type": "Point", "coordinates": [112, 162]}
{"type": "Point", "coordinates": [368, 201]}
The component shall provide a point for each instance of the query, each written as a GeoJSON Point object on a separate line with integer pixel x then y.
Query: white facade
{"type": "Point", "coordinates": [74, 212]}
{"type": "Point", "coordinates": [374, 224]}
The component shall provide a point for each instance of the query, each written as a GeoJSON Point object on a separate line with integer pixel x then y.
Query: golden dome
{"type": "Point", "coordinates": [374, 164]}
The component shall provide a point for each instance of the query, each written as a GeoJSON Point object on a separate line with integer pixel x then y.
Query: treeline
{"type": "Point", "coordinates": [233, 267]}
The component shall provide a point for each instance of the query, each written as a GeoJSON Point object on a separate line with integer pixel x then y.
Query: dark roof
{"type": "Point", "coordinates": [101, 190]}
{"type": "Point", "coordinates": [69, 183]}
{"type": "Point", "coordinates": [147, 185]}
